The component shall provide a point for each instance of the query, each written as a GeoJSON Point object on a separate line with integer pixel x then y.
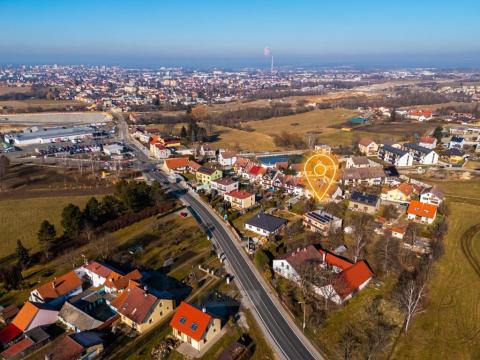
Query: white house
{"type": "Point", "coordinates": [58, 290]}
{"type": "Point", "coordinates": [420, 115]}
{"type": "Point", "coordinates": [264, 224]}
{"type": "Point", "coordinates": [96, 273]}
{"type": "Point", "coordinates": [422, 155]}
{"type": "Point", "coordinates": [346, 278]}
{"type": "Point", "coordinates": [159, 151]}
{"type": "Point", "coordinates": [395, 156]}
{"type": "Point", "coordinates": [457, 142]}
{"type": "Point", "coordinates": [428, 142]}
{"type": "Point", "coordinates": [359, 162]}
{"type": "Point", "coordinates": [433, 196]}
{"type": "Point", "coordinates": [224, 185]}
{"type": "Point", "coordinates": [227, 158]}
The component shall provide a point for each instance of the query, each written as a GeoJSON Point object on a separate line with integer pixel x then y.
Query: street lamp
{"type": "Point", "coordinates": [304, 306]}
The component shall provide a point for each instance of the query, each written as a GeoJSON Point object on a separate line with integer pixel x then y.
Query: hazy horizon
{"type": "Point", "coordinates": [233, 34]}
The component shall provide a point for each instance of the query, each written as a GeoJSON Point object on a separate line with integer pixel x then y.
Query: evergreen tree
{"type": "Point", "coordinates": [24, 258]}
{"type": "Point", "coordinates": [47, 232]}
{"type": "Point", "coordinates": [438, 133]}
{"type": "Point", "coordinates": [92, 212]}
{"type": "Point", "coordinates": [393, 115]}
{"type": "Point", "coordinates": [183, 132]}
{"type": "Point", "coordinates": [72, 220]}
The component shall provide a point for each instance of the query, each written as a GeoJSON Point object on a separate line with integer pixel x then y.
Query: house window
{"type": "Point", "coordinates": [182, 320]}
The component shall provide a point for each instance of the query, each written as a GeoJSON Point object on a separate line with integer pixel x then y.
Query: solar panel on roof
{"type": "Point", "coordinates": [320, 217]}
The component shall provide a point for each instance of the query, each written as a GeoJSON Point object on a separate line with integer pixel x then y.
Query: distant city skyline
{"type": "Point", "coordinates": [234, 34]}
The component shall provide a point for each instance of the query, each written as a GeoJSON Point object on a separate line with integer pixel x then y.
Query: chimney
{"type": "Point", "coordinates": [324, 256]}
{"type": "Point", "coordinates": [204, 309]}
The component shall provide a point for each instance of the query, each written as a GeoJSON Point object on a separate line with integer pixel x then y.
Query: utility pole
{"type": "Point", "coordinates": [304, 307]}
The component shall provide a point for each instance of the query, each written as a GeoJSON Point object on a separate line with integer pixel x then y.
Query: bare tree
{"type": "Point", "coordinates": [411, 294]}
{"type": "Point", "coordinates": [376, 330]}
{"type": "Point", "coordinates": [362, 228]}
{"type": "Point", "coordinates": [411, 233]}
{"type": "Point", "coordinates": [349, 343]}
{"type": "Point", "coordinates": [103, 244]}
{"type": "Point", "coordinates": [387, 251]}
{"type": "Point", "coordinates": [312, 140]}
{"type": "Point", "coordinates": [168, 128]}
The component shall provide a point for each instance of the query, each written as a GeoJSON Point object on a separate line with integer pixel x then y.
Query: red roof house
{"type": "Point", "coordinates": [9, 333]}
{"type": "Point", "coordinates": [194, 326]}
{"type": "Point", "coordinates": [347, 278]}
{"type": "Point", "coordinates": [421, 212]}
{"type": "Point", "coordinates": [58, 289]}
{"type": "Point", "coordinates": [17, 350]}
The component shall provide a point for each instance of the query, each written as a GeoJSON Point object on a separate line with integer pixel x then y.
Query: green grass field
{"type": "Point", "coordinates": [21, 219]}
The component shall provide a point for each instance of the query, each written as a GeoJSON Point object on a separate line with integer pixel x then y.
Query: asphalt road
{"type": "Point", "coordinates": [287, 337]}
{"type": "Point", "coordinates": [289, 341]}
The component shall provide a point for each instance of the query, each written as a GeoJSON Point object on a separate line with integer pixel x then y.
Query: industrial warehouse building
{"type": "Point", "coordinates": [49, 135]}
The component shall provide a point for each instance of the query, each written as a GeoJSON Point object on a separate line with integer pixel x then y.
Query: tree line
{"type": "Point", "coordinates": [131, 202]}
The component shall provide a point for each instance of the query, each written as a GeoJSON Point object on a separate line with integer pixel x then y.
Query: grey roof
{"type": "Point", "coordinates": [394, 150]}
{"type": "Point", "coordinates": [266, 222]}
{"type": "Point", "coordinates": [55, 132]}
{"type": "Point", "coordinates": [363, 173]}
{"type": "Point", "coordinates": [225, 181]}
{"type": "Point", "coordinates": [434, 190]}
{"type": "Point", "coordinates": [76, 317]}
{"type": "Point", "coordinates": [418, 148]}
{"type": "Point", "coordinates": [364, 198]}
{"type": "Point", "coordinates": [37, 335]}
{"type": "Point", "coordinates": [206, 170]}
{"type": "Point", "coordinates": [360, 160]}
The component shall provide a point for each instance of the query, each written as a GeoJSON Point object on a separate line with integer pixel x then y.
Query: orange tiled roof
{"type": "Point", "coordinates": [99, 269]}
{"type": "Point", "coordinates": [122, 282]}
{"type": "Point", "coordinates": [135, 303]}
{"type": "Point", "coordinates": [190, 321]}
{"type": "Point", "coordinates": [25, 316]}
{"type": "Point", "coordinates": [176, 163]}
{"type": "Point", "coordinates": [352, 278]}
{"type": "Point", "coordinates": [421, 209]}
{"type": "Point", "coordinates": [60, 286]}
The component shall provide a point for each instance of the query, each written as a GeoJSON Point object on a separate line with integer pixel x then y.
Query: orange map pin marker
{"type": "Point", "coordinates": [320, 172]}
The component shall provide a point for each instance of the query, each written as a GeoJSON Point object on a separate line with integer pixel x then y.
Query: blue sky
{"type": "Point", "coordinates": [299, 32]}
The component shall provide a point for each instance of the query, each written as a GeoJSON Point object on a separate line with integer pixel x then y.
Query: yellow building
{"type": "Point", "coordinates": [141, 310]}
{"type": "Point", "coordinates": [401, 193]}
{"type": "Point", "coordinates": [194, 326]}
{"type": "Point", "coordinates": [240, 199]}
{"type": "Point", "coordinates": [205, 175]}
